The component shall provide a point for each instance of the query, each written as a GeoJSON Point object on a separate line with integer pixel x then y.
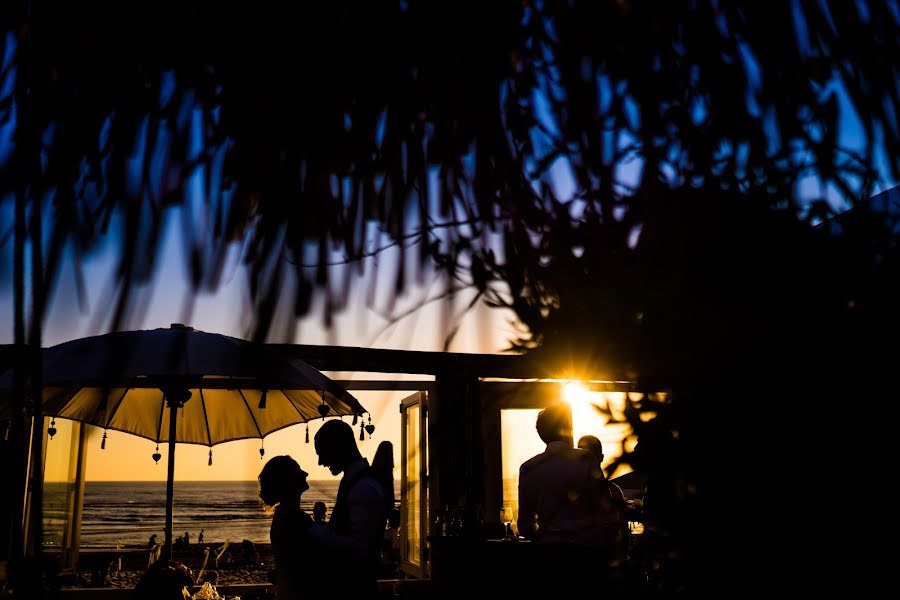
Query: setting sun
{"type": "Point", "coordinates": [575, 392]}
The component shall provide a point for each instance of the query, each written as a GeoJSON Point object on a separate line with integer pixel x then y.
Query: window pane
{"type": "Point", "coordinates": [519, 442]}
{"type": "Point", "coordinates": [589, 418]}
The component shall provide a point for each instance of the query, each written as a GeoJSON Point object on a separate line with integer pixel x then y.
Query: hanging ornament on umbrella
{"type": "Point", "coordinates": [51, 431]}
{"type": "Point", "coordinates": [323, 408]}
{"type": "Point", "coordinates": [262, 450]}
{"type": "Point", "coordinates": [370, 428]}
{"type": "Point", "coordinates": [157, 455]}
{"type": "Point", "coordinates": [362, 433]}
{"type": "Point", "coordinates": [209, 464]}
{"type": "Point", "coordinates": [307, 432]}
{"type": "Point", "coordinates": [103, 441]}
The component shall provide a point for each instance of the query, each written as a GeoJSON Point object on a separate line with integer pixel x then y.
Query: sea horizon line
{"type": "Point", "coordinates": [178, 480]}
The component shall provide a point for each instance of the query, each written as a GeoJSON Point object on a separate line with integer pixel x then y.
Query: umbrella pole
{"type": "Point", "coordinates": [170, 479]}
{"type": "Point", "coordinates": [174, 399]}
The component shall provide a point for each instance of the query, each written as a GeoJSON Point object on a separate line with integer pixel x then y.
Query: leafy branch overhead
{"type": "Point", "coordinates": [616, 160]}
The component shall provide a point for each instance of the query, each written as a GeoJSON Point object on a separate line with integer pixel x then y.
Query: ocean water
{"type": "Point", "coordinates": [129, 512]}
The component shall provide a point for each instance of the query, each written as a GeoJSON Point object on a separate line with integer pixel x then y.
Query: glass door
{"type": "Point", "coordinates": [414, 485]}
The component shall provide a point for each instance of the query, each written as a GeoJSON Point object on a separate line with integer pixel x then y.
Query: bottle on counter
{"type": "Point", "coordinates": [437, 527]}
{"type": "Point", "coordinates": [458, 522]}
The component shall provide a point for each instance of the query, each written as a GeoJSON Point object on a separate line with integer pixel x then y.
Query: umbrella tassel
{"type": "Point", "coordinates": [362, 433]}
{"type": "Point", "coordinates": [209, 464]}
{"type": "Point", "coordinates": [307, 433]}
{"type": "Point", "coordinates": [262, 450]}
{"type": "Point", "coordinates": [103, 442]}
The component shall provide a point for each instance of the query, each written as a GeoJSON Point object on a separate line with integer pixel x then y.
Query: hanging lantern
{"type": "Point", "coordinates": [323, 408]}
{"type": "Point", "coordinates": [262, 399]}
{"type": "Point", "coordinates": [307, 432]}
{"type": "Point", "coordinates": [157, 455]}
{"type": "Point", "coordinates": [209, 464]}
{"type": "Point", "coordinates": [103, 441]}
{"type": "Point", "coordinates": [51, 431]}
{"type": "Point", "coordinates": [370, 428]}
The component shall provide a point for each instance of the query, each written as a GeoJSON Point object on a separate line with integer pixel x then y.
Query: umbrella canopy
{"type": "Point", "coordinates": [226, 388]}
{"type": "Point", "coordinates": [117, 381]}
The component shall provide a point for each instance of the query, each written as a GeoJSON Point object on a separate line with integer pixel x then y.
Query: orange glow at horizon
{"type": "Point", "coordinates": [128, 458]}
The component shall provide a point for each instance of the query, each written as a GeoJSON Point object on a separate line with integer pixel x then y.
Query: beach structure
{"type": "Point", "coordinates": [458, 430]}
{"type": "Point", "coordinates": [456, 442]}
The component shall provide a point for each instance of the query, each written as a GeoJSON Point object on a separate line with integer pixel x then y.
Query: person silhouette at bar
{"type": "Point", "coordinates": [164, 580]}
{"type": "Point", "coordinates": [356, 528]}
{"type": "Point", "coordinates": [383, 465]}
{"type": "Point", "coordinates": [562, 495]}
{"type": "Point", "coordinates": [618, 512]}
{"type": "Point", "coordinates": [319, 510]}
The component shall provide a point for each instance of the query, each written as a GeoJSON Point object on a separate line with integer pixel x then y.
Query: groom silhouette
{"type": "Point", "coordinates": [356, 528]}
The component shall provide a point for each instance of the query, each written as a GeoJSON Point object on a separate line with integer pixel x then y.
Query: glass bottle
{"type": "Point", "coordinates": [437, 528]}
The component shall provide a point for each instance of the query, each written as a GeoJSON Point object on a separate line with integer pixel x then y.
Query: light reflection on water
{"type": "Point", "coordinates": [129, 512]}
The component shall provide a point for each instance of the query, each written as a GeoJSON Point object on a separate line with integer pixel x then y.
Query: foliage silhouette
{"type": "Point", "coordinates": [629, 177]}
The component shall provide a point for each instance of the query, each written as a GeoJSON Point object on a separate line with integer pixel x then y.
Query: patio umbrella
{"type": "Point", "coordinates": [226, 389]}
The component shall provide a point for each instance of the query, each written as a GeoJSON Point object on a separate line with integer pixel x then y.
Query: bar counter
{"type": "Point", "coordinates": [470, 567]}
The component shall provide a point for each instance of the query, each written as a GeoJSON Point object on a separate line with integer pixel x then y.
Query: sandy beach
{"type": "Point", "coordinates": [236, 572]}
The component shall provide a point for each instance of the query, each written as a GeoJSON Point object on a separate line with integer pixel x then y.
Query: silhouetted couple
{"type": "Point", "coordinates": [340, 559]}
